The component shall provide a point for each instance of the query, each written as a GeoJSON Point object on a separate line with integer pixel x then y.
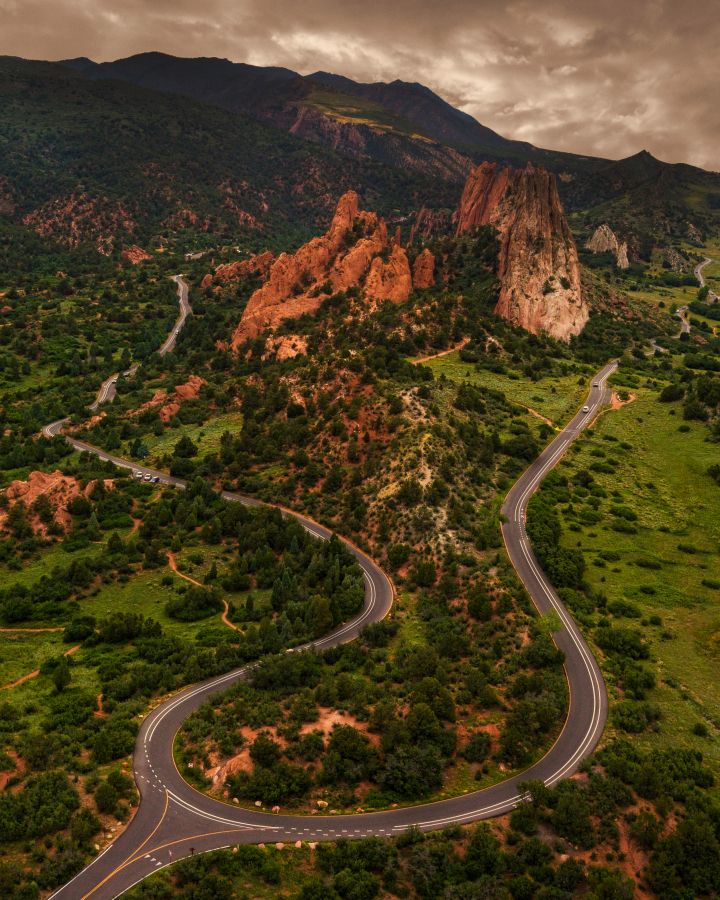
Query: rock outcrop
{"type": "Point", "coordinates": [54, 487]}
{"type": "Point", "coordinates": [430, 223]}
{"type": "Point", "coordinates": [538, 264]}
{"type": "Point", "coordinates": [235, 271]}
{"type": "Point", "coordinates": [355, 252]}
{"type": "Point", "coordinates": [135, 255]}
{"type": "Point", "coordinates": [604, 240]}
{"type": "Point", "coordinates": [424, 270]}
{"type": "Point", "coordinates": [170, 403]}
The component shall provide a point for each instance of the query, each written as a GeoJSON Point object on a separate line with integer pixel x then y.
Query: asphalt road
{"type": "Point", "coordinates": [701, 278]}
{"type": "Point", "coordinates": [107, 391]}
{"type": "Point", "coordinates": [682, 311]}
{"type": "Point", "coordinates": [185, 310]}
{"type": "Point", "coordinates": [174, 820]}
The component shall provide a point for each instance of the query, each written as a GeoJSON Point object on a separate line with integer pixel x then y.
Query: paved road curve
{"type": "Point", "coordinates": [108, 389]}
{"type": "Point", "coordinates": [682, 311]}
{"type": "Point", "coordinates": [174, 820]}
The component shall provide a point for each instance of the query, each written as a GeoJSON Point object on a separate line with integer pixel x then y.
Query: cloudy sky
{"type": "Point", "coordinates": [606, 78]}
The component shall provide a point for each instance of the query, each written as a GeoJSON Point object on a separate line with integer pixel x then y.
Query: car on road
{"type": "Point", "coordinates": [148, 476]}
{"type": "Point", "coordinates": [596, 384]}
{"type": "Point", "coordinates": [138, 474]}
{"type": "Point", "coordinates": [586, 409]}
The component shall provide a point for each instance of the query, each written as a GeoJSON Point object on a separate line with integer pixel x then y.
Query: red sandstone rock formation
{"type": "Point", "coordinates": [235, 271]}
{"type": "Point", "coordinates": [59, 490]}
{"type": "Point", "coordinates": [429, 223]}
{"type": "Point", "coordinates": [76, 218]}
{"type": "Point", "coordinates": [355, 247]}
{"type": "Point", "coordinates": [424, 270]}
{"type": "Point", "coordinates": [135, 254]}
{"type": "Point", "coordinates": [170, 404]}
{"type": "Point", "coordinates": [537, 262]}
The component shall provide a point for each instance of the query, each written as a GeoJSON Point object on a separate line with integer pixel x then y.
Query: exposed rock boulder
{"type": "Point", "coordinates": [538, 264]}
{"type": "Point", "coordinates": [355, 251]}
{"type": "Point", "coordinates": [694, 235]}
{"type": "Point", "coordinates": [391, 279]}
{"type": "Point", "coordinates": [424, 270]}
{"type": "Point", "coordinates": [236, 271]}
{"type": "Point", "coordinates": [287, 346]}
{"type": "Point", "coordinates": [170, 403]}
{"type": "Point", "coordinates": [604, 240]}
{"type": "Point", "coordinates": [135, 255]}
{"type": "Point", "coordinates": [53, 489]}
{"type": "Point", "coordinates": [79, 218]}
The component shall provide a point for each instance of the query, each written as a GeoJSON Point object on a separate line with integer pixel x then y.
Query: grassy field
{"type": "Point", "coordinates": [557, 398]}
{"type": "Point", "coordinates": [669, 568]}
{"type": "Point", "coordinates": [22, 652]}
{"type": "Point", "coordinates": [206, 437]}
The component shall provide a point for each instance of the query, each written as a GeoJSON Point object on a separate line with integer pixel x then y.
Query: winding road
{"type": "Point", "coordinates": [108, 388]}
{"type": "Point", "coordinates": [174, 820]}
{"type": "Point", "coordinates": [712, 296]}
{"type": "Point", "coordinates": [681, 313]}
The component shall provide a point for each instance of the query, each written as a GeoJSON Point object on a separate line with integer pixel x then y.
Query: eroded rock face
{"type": "Point", "coordinates": [354, 252]}
{"type": "Point", "coordinates": [424, 270]}
{"type": "Point", "coordinates": [135, 255]}
{"type": "Point", "coordinates": [430, 223]}
{"type": "Point", "coordinates": [235, 271]}
{"type": "Point", "coordinates": [604, 240]}
{"type": "Point", "coordinates": [77, 218]}
{"type": "Point", "coordinates": [170, 403]}
{"type": "Point", "coordinates": [538, 264]}
{"type": "Point", "coordinates": [58, 489]}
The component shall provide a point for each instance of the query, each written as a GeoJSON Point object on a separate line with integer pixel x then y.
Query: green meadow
{"type": "Point", "coordinates": [556, 397]}
{"type": "Point", "coordinates": [669, 568]}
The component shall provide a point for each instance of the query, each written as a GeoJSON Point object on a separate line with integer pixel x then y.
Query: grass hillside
{"type": "Point", "coordinates": [106, 163]}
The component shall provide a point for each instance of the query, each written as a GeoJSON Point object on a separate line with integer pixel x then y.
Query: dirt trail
{"type": "Point", "coordinates": [617, 403]}
{"type": "Point", "coordinates": [539, 415]}
{"type": "Point", "coordinates": [35, 673]}
{"type": "Point", "coordinates": [424, 359]}
{"type": "Point", "coordinates": [172, 562]}
{"type": "Point", "coordinates": [30, 630]}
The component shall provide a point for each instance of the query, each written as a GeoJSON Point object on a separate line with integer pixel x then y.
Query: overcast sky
{"type": "Point", "coordinates": [606, 78]}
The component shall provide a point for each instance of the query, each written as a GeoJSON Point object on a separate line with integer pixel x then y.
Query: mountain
{"type": "Point", "coordinates": [409, 127]}
{"type": "Point", "coordinates": [107, 164]}
{"type": "Point", "coordinates": [399, 123]}
{"type": "Point", "coordinates": [646, 202]}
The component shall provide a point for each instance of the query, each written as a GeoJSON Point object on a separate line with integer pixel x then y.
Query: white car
{"type": "Point", "coordinates": [586, 409]}
{"type": "Point", "coordinates": [148, 476]}
{"type": "Point", "coordinates": [138, 475]}
{"type": "Point", "coordinates": [596, 384]}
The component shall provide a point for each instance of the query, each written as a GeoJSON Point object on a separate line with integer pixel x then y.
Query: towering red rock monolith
{"type": "Point", "coordinates": [538, 264]}
{"type": "Point", "coordinates": [355, 251]}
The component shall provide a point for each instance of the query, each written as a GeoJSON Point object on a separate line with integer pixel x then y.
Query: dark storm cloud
{"type": "Point", "coordinates": [598, 78]}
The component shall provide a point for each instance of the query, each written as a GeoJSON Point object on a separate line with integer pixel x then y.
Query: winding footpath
{"type": "Point", "coordinates": [174, 820]}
